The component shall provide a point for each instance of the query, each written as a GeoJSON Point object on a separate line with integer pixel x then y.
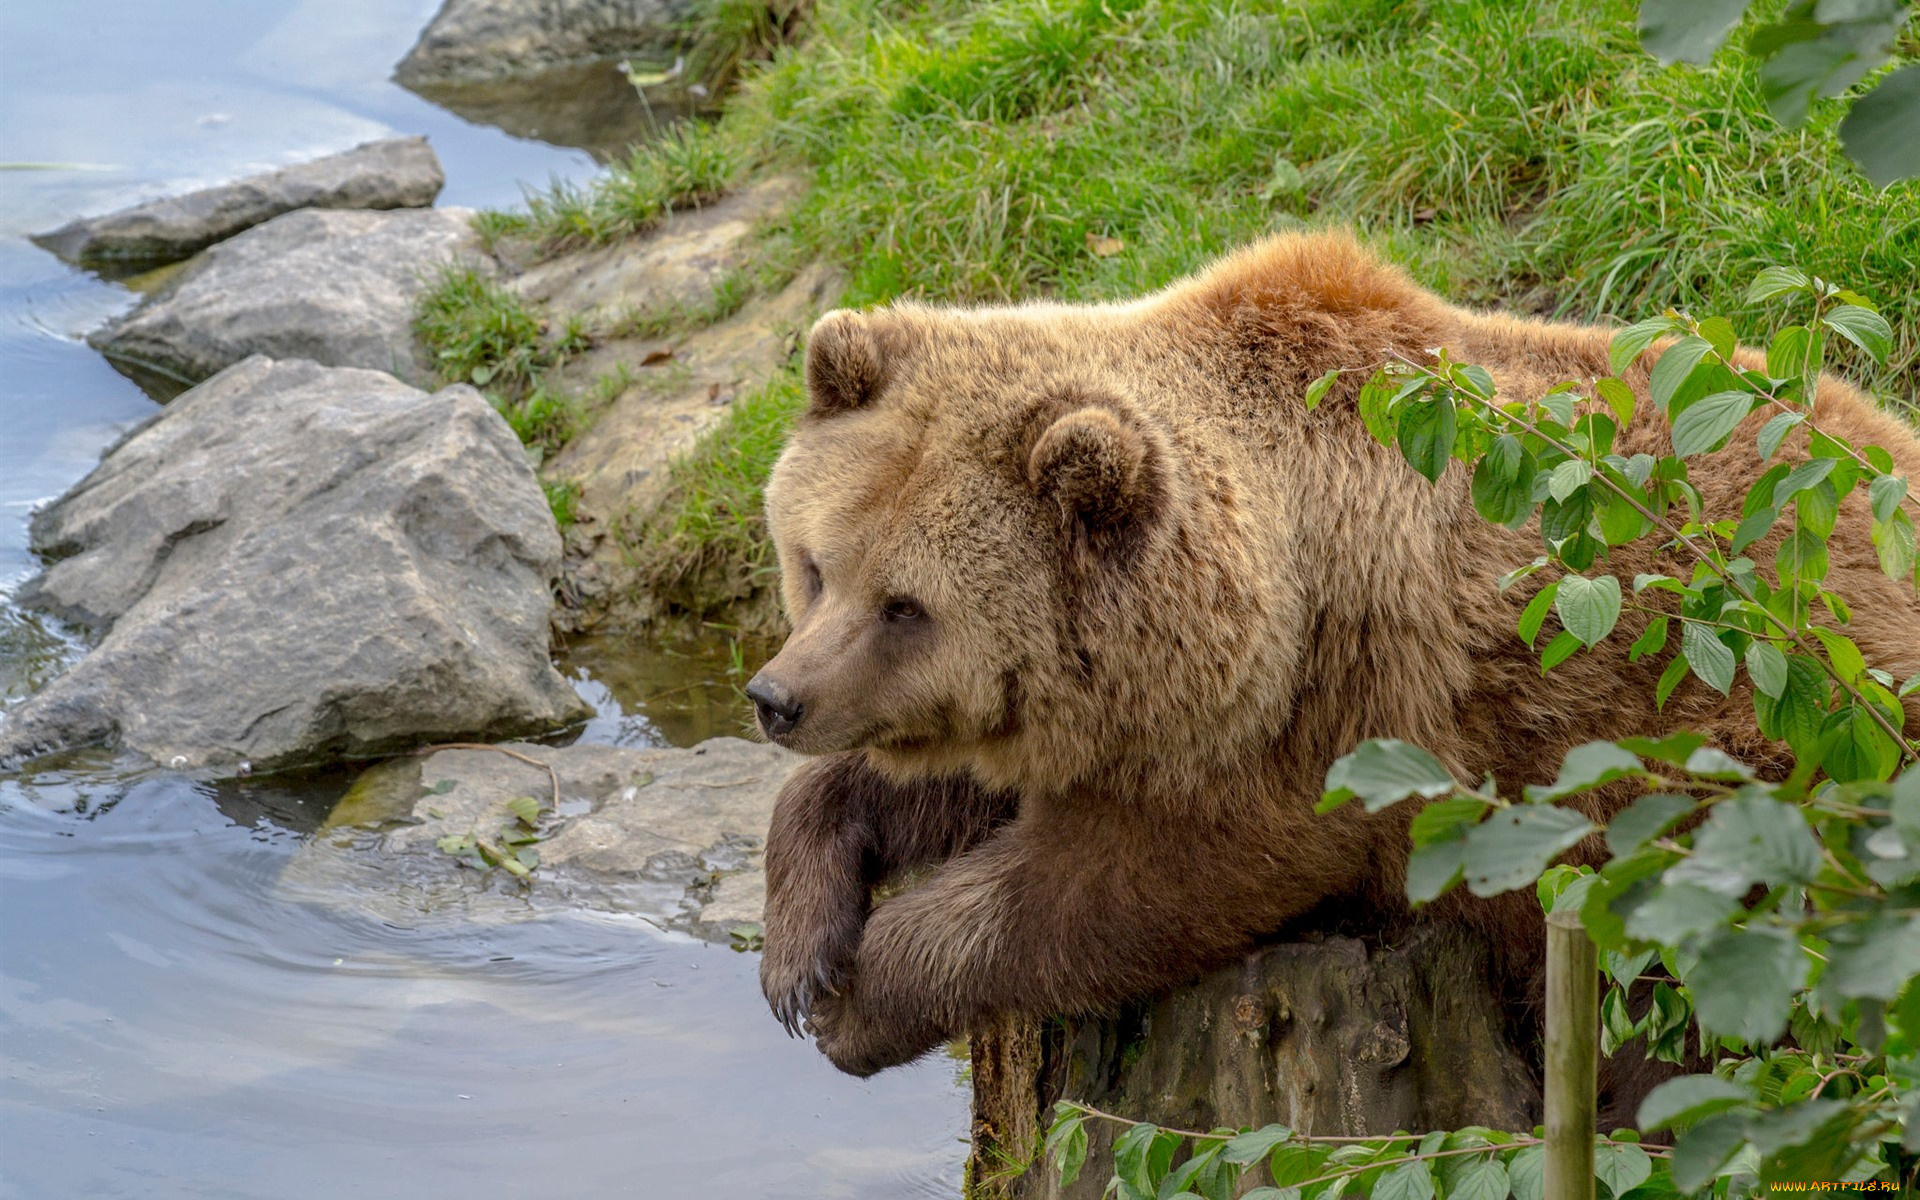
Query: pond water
{"type": "Point", "coordinates": [173, 1022]}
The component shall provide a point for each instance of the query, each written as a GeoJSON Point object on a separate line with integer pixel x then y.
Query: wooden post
{"type": "Point", "coordinates": [1573, 1049]}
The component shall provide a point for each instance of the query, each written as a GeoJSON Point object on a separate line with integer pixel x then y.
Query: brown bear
{"type": "Point", "coordinates": [1085, 601]}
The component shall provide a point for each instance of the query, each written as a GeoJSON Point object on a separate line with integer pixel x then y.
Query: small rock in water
{"type": "Point", "coordinates": [395, 173]}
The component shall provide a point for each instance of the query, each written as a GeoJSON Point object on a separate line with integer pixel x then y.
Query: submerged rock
{"type": "Point", "coordinates": [394, 173]}
{"type": "Point", "coordinates": [482, 39]}
{"type": "Point", "coordinates": [293, 563]}
{"type": "Point", "coordinates": [673, 836]}
{"type": "Point", "coordinates": [333, 286]}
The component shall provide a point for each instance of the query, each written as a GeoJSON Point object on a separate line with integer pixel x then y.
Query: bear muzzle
{"type": "Point", "coordinates": [777, 708]}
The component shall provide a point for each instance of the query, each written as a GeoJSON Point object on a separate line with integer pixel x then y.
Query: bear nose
{"type": "Point", "coordinates": [779, 712]}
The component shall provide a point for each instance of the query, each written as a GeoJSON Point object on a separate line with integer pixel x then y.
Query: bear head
{"type": "Point", "coordinates": [993, 542]}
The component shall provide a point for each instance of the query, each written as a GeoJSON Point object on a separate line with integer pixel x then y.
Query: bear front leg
{"type": "Point", "coordinates": [839, 828]}
{"type": "Point", "coordinates": [1047, 925]}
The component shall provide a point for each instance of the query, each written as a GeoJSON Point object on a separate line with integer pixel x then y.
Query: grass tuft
{"type": "Point", "coordinates": [707, 543]}
{"type": "Point", "coordinates": [689, 165]}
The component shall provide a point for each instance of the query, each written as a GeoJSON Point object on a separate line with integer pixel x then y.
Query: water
{"type": "Point", "coordinates": [172, 1022]}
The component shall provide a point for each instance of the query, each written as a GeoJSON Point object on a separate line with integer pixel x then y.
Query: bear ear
{"type": "Point", "coordinates": [1102, 469]}
{"type": "Point", "coordinates": [846, 363]}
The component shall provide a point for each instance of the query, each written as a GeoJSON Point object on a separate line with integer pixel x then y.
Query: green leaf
{"type": "Point", "coordinates": [1649, 817]}
{"type": "Point", "coordinates": [1719, 334]}
{"type": "Point", "coordinates": [1527, 1174]}
{"type": "Point", "coordinates": [1687, 30]}
{"type": "Point", "coordinates": [1559, 650]}
{"type": "Point", "coordinates": [1863, 327]}
{"type": "Point", "coordinates": [1376, 411]}
{"type": "Point", "coordinates": [1480, 1179]}
{"type": "Point", "coordinates": [1675, 748]}
{"type": "Point", "coordinates": [1768, 668]}
{"type": "Point", "coordinates": [1621, 1168]}
{"type": "Point", "coordinates": [1674, 365]}
{"type": "Point", "coordinates": [1799, 479]}
{"type": "Point", "coordinates": [1670, 679]}
{"type": "Point", "coordinates": [1433, 869]}
{"type": "Point", "coordinates": [1744, 983]}
{"type": "Point", "coordinates": [1709, 421]}
{"type": "Point", "coordinates": [1787, 353]}
{"type": "Point", "coordinates": [1426, 435]}
{"type": "Point", "coordinates": [1854, 746]}
{"type": "Point", "coordinates": [1776, 281]}
{"type": "Point", "coordinates": [527, 809]}
{"type": "Point", "coordinates": [1796, 717]}
{"type": "Point", "coordinates": [1700, 1153]}
{"type": "Point", "coordinates": [1877, 132]}
{"type": "Point", "coordinates": [1408, 1181]}
{"type": "Point", "coordinates": [1676, 911]}
{"type": "Point", "coordinates": [1885, 494]}
{"type": "Point", "coordinates": [1253, 1146]}
{"type": "Point", "coordinates": [1750, 839]}
{"type": "Point", "coordinates": [1775, 431]}
{"type": "Point", "coordinates": [1503, 482]}
{"type": "Point", "coordinates": [1588, 608]}
{"type": "Point", "coordinates": [1568, 478]}
{"type": "Point", "coordinates": [1142, 1155]}
{"type": "Point", "coordinates": [1443, 819]}
{"type": "Point", "coordinates": [1894, 542]}
{"type": "Point", "coordinates": [1874, 958]}
{"type": "Point", "coordinates": [1708, 655]}
{"type": "Point", "coordinates": [1585, 766]}
{"type": "Point", "coordinates": [1513, 846]}
{"type": "Point", "coordinates": [1845, 656]}
{"type": "Point", "coordinates": [1808, 59]}
{"type": "Point", "coordinates": [1631, 342]}
{"type": "Point", "coordinates": [1385, 771]}
{"type": "Point", "coordinates": [1474, 379]}
{"type": "Point", "coordinates": [1619, 398]}
{"type": "Point", "coordinates": [1652, 640]}
{"type": "Point", "coordinates": [1535, 614]}
{"type": "Point", "coordinates": [1685, 1100]}
{"type": "Point", "coordinates": [1317, 390]}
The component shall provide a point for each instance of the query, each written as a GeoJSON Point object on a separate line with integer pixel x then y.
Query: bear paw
{"type": "Point", "coordinates": [798, 970]}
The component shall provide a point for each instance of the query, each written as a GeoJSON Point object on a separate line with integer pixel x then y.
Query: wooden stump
{"type": "Point", "coordinates": [1323, 1036]}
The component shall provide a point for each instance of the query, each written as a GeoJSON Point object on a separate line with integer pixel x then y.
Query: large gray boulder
{"type": "Point", "coordinates": [331, 285]}
{"type": "Point", "coordinates": [483, 39]}
{"type": "Point", "coordinates": [671, 836]}
{"type": "Point", "coordinates": [394, 173]}
{"type": "Point", "coordinates": [293, 563]}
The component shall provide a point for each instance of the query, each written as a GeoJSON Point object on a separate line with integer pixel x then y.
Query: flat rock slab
{"type": "Point", "coordinates": [672, 836]}
{"type": "Point", "coordinates": [333, 286]}
{"type": "Point", "coordinates": [293, 563]}
{"type": "Point", "coordinates": [483, 39]}
{"type": "Point", "coordinates": [394, 173]}
{"type": "Point", "coordinates": [677, 264]}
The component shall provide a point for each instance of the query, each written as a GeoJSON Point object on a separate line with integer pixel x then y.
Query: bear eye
{"type": "Point", "coordinates": [902, 608]}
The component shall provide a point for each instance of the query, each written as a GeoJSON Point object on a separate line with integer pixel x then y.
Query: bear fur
{"type": "Point", "coordinates": [1085, 602]}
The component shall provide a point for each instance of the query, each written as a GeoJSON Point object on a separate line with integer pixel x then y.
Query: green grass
{"type": "Point", "coordinates": [690, 165]}
{"type": "Point", "coordinates": [707, 543]}
{"type": "Point", "coordinates": [1518, 155]}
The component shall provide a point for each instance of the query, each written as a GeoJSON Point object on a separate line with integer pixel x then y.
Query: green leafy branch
{"type": "Point", "coordinates": [1769, 927]}
{"type": "Point", "coordinates": [1476, 1162]}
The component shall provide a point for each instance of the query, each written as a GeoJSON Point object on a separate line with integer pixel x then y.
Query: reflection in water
{"type": "Point", "coordinates": [676, 693]}
{"type": "Point", "coordinates": [176, 1027]}
{"type": "Point", "coordinates": [591, 106]}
